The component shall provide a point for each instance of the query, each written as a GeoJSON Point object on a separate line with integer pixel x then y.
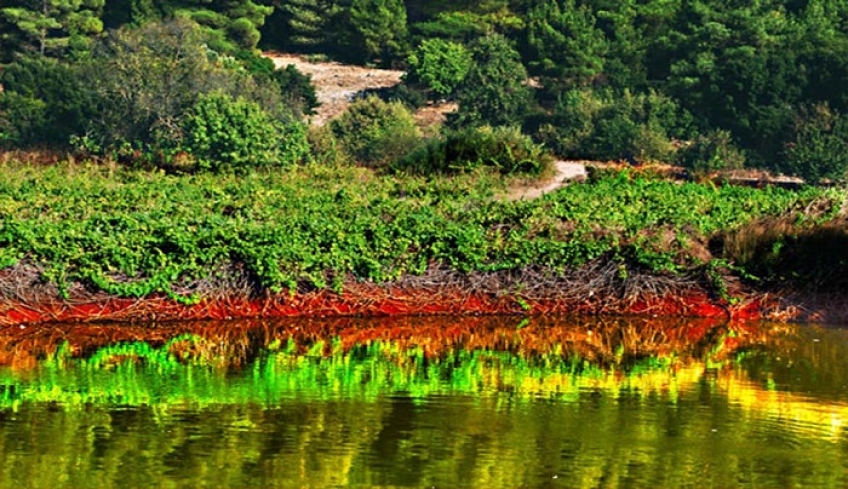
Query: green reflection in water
{"type": "Point", "coordinates": [321, 414]}
{"type": "Point", "coordinates": [136, 374]}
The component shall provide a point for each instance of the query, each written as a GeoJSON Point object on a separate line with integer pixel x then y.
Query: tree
{"type": "Point", "coordinates": [229, 25]}
{"type": "Point", "coordinates": [379, 27]}
{"type": "Point", "coordinates": [462, 20]}
{"type": "Point", "coordinates": [818, 147]}
{"type": "Point", "coordinates": [145, 80]}
{"type": "Point", "coordinates": [736, 67]}
{"type": "Point", "coordinates": [567, 49]}
{"type": "Point", "coordinates": [307, 23]}
{"type": "Point", "coordinates": [376, 133]}
{"type": "Point", "coordinates": [226, 134]}
{"type": "Point", "coordinates": [49, 26]}
{"type": "Point", "coordinates": [439, 66]}
{"type": "Point", "coordinates": [494, 92]}
{"type": "Point", "coordinates": [44, 102]}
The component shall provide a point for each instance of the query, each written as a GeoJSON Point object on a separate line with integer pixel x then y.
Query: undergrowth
{"type": "Point", "coordinates": [134, 234]}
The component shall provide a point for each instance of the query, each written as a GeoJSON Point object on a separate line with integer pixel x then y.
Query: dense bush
{"type": "Point", "coordinates": [150, 99]}
{"type": "Point", "coordinates": [818, 148]}
{"type": "Point", "coordinates": [710, 153]}
{"type": "Point", "coordinates": [505, 149]}
{"type": "Point", "coordinates": [226, 134]}
{"type": "Point", "coordinates": [296, 89]}
{"type": "Point", "coordinates": [438, 66]}
{"type": "Point", "coordinates": [604, 125]}
{"type": "Point", "coordinates": [494, 91]}
{"type": "Point", "coordinates": [23, 120]}
{"type": "Point", "coordinates": [376, 133]}
{"type": "Point", "coordinates": [43, 103]}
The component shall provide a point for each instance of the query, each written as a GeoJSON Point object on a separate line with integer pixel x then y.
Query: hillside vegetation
{"type": "Point", "coordinates": [708, 85]}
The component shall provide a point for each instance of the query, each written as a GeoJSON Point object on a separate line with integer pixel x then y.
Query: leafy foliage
{"type": "Point", "coordinates": [146, 81]}
{"type": "Point", "coordinates": [379, 30]}
{"type": "Point", "coordinates": [818, 148]}
{"type": "Point", "coordinates": [226, 134]}
{"type": "Point", "coordinates": [568, 50]}
{"type": "Point", "coordinates": [604, 125]}
{"type": "Point", "coordinates": [228, 26]}
{"type": "Point", "coordinates": [305, 25]}
{"type": "Point", "coordinates": [439, 66]}
{"type": "Point", "coordinates": [493, 92]}
{"type": "Point", "coordinates": [710, 153]}
{"type": "Point", "coordinates": [504, 149]}
{"type": "Point", "coordinates": [296, 88]}
{"type": "Point", "coordinates": [51, 26]}
{"type": "Point", "coordinates": [376, 133]}
{"type": "Point", "coordinates": [135, 234]}
{"type": "Point", "coordinates": [44, 103]}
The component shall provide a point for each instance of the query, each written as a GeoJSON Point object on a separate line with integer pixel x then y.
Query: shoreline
{"type": "Point", "coordinates": [399, 300]}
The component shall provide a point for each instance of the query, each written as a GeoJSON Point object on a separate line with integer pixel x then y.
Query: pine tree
{"type": "Point", "coordinates": [309, 22]}
{"type": "Point", "coordinates": [380, 28]}
{"type": "Point", "coordinates": [230, 25]}
{"type": "Point", "coordinates": [47, 26]}
{"type": "Point", "coordinates": [494, 91]}
{"type": "Point", "coordinates": [567, 47]}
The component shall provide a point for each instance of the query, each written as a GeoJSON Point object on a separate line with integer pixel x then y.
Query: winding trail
{"type": "Point", "coordinates": [566, 171]}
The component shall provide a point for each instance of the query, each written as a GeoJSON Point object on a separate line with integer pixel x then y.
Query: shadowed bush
{"type": "Point", "coordinates": [793, 249]}
{"type": "Point", "coordinates": [503, 148]}
{"type": "Point", "coordinates": [711, 153]}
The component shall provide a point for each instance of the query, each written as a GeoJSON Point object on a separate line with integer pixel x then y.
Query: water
{"type": "Point", "coordinates": [448, 402]}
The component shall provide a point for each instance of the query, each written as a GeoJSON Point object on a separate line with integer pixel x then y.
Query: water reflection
{"type": "Point", "coordinates": [447, 402]}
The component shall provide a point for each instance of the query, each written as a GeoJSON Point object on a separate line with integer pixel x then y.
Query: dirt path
{"type": "Point", "coordinates": [565, 172]}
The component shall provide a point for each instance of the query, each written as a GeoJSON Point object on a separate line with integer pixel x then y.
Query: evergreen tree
{"type": "Point", "coordinates": [230, 25]}
{"type": "Point", "coordinates": [566, 46]}
{"type": "Point", "coordinates": [379, 27]}
{"type": "Point", "coordinates": [49, 26]}
{"type": "Point", "coordinates": [494, 91]}
{"type": "Point", "coordinates": [307, 22]}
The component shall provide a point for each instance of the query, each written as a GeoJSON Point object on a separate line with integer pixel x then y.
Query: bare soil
{"type": "Point", "coordinates": [337, 84]}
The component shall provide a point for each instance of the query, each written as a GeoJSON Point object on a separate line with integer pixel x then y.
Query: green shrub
{"type": "Point", "coordinates": [505, 149]}
{"type": "Point", "coordinates": [710, 153]}
{"type": "Point", "coordinates": [22, 120]}
{"type": "Point", "coordinates": [244, 32]}
{"type": "Point", "coordinates": [226, 134]}
{"type": "Point", "coordinates": [43, 103]}
{"type": "Point", "coordinates": [325, 148]}
{"type": "Point", "coordinates": [494, 91]}
{"type": "Point", "coordinates": [146, 80]}
{"type": "Point", "coordinates": [297, 89]}
{"type": "Point", "coordinates": [818, 148]}
{"type": "Point", "coordinates": [295, 147]}
{"type": "Point", "coordinates": [376, 133]}
{"type": "Point", "coordinates": [412, 97]}
{"type": "Point", "coordinates": [611, 126]}
{"type": "Point", "coordinates": [438, 66]}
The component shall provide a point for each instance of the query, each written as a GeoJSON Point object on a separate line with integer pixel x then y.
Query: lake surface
{"type": "Point", "coordinates": [439, 402]}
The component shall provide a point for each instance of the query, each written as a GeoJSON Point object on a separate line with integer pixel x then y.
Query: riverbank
{"type": "Point", "coordinates": [394, 300]}
{"type": "Point", "coordinates": [84, 243]}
